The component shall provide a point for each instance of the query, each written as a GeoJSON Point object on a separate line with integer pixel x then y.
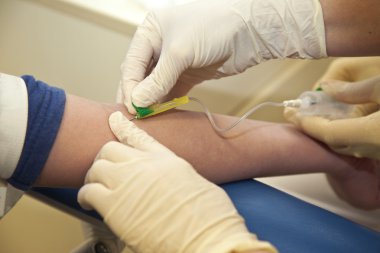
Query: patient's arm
{"type": "Point", "coordinates": [254, 149]}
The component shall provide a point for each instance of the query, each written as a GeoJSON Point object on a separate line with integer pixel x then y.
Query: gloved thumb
{"type": "Point", "coordinates": [128, 133]}
{"type": "Point", "coordinates": [360, 92]}
{"type": "Point", "coordinates": [162, 79]}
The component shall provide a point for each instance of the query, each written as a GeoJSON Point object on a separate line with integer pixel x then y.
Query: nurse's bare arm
{"type": "Point", "coordinates": [352, 27]}
{"type": "Point", "coordinates": [255, 149]}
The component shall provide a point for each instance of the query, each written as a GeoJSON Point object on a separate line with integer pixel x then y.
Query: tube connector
{"type": "Point", "coordinates": [295, 103]}
{"type": "Point", "coordinates": [304, 101]}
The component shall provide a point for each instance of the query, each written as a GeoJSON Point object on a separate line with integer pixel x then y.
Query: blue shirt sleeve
{"type": "Point", "coordinates": [46, 106]}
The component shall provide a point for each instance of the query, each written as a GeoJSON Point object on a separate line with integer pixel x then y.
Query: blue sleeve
{"type": "Point", "coordinates": [46, 106]}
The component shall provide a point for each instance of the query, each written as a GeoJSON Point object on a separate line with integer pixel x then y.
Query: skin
{"type": "Point", "coordinates": [352, 27]}
{"type": "Point", "coordinates": [254, 149]}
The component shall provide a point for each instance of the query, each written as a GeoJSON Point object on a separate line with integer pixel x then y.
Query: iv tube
{"type": "Point", "coordinates": [309, 103]}
{"type": "Point", "coordinates": [246, 115]}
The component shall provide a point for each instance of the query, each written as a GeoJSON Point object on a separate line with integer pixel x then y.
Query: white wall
{"type": "Point", "coordinates": [64, 51]}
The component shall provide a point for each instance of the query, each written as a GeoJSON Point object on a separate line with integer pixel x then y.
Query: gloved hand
{"type": "Point", "coordinates": [203, 40]}
{"type": "Point", "coordinates": [357, 136]}
{"type": "Point", "coordinates": [156, 202]}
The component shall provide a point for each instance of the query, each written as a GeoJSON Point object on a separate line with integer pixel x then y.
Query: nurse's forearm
{"type": "Point", "coordinates": [255, 149]}
{"type": "Point", "coordinates": [352, 27]}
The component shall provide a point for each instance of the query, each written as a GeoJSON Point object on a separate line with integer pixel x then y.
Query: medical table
{"type": "Point", "coordinates": [290, 224]}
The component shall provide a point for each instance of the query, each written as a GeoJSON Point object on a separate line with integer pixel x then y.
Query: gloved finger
{"type": "Point", "coordinates": [162, 79]}
{"type": "Point", "coordinates": [364, 110]}
{"type": "Point", "coordinates": [340, 69]}
{"type": "Point", "coordinates": [290, 114]}
{"type": "Point", "coordinates": [116, 152]}
{"type": "Point", "coordinates": [353, 69]}
{"type": "Point", "coordinates": [107, 173]}
{"type": "Point", "coordinates": [364, 91]}
{"type": "Point", "coordinates": [128, 133]}
{"type": "Point", "coordinates": [92, 173]}
{"type": "Point", "coordinates": [94, 196]}
{"type": "Point", "coordinates": [136, 63]}
{"type": "Point", "coordinates": [336, 133]}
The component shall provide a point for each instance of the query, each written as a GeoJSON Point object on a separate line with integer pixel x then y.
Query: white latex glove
{"type": "Point", "coordinates": [359, 84]}
{"type": "Point", "coordinates": [156, 202]}
{"type": "Point", "coordinates": [358, 136]}
{"type": "Point", "coordinates": [185, 45]}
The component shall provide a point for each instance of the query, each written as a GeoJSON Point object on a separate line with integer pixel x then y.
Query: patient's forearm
{"type": "Point", "coordinates": [254, 149]}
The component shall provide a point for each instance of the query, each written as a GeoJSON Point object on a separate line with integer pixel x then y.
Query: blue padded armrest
{"type": "Point", "coordinates": [290, 224]}
{"type": "Point", "coordinates": [293, 225]}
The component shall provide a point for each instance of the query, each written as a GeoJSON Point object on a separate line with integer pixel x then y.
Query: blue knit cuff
{"type": "Point", "coordinates": [45, 112]}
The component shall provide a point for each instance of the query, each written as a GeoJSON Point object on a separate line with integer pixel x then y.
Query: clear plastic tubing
{"type": "Point", "coordinates": [310, 103]}
{"type": "Point", "coordinates": [246, 115]}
